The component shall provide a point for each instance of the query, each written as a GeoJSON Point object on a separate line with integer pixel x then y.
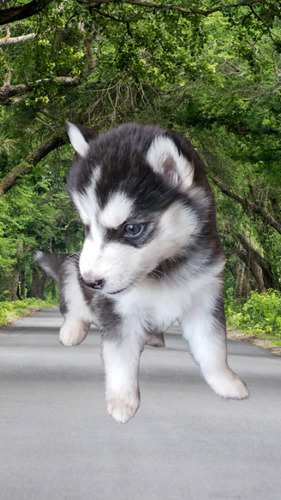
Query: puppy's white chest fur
{"type": "Point", "coordinates": [152, 304]}
{"type": "Point", "coordinates": [158, 304]}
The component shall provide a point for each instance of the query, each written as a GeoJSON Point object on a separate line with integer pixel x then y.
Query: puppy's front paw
{"type": "Point", "coordinates": [73, 332]}
{"type": "Point", "coordinates": [229, 386]}
{"type": "Point", "coordinates": [123, 408]}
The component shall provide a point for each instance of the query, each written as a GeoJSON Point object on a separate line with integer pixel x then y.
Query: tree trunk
{"type": "Point", "coordinates": [12, 293]}
{"type": "Point", "coordinates": [239, 281]}
{"type": "Point", "coordinates": [259, 266]}
{"type": "Point", "coordinates": [256, 271]}
{"type": "Point", "coordinates": [242, 282]}
{"type": "Point", "coordinates": [37, 285]}
{"type": "Point", "coordinates": [22, 284]}
{"type": "Point", "coordinates": [256, 266]}
{"type": "Point", "coordinates": [13, 289]}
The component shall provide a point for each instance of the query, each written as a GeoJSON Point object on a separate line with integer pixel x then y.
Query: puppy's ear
{"type": "Point", "coordinates": [80, 137]}
{"type": "Point", "coordinates": [50, 263]}
{"type": "Point", "coordinates": [165, 159]}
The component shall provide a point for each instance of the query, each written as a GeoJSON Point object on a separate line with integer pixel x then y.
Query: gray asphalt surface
{"type": "Point", "coordinates": [58, 443]}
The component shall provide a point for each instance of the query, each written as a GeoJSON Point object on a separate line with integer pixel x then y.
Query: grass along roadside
{"type": "Point", "coordinates": [257, 320]}
{"type": "Point", "coordinates": [13, 311]}
{"type": "Point", "coordinates": [259, 341]}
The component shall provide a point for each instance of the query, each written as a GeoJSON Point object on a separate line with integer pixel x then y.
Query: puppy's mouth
{"type": "Point", "coordinates": [118, 291]}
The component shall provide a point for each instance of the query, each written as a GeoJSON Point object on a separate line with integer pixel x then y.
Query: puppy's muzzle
{"type": "Point", "coordinates": [96, 284]}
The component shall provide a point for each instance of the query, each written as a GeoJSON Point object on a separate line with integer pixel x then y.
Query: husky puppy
{"type": "Point", "coordinates": [151, 254]}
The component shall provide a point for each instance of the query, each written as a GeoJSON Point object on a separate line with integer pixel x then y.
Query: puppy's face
{"type": "Point", "coordinates": [130, 188]}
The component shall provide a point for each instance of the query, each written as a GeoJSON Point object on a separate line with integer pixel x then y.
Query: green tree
{"type": "Point", "coordinates": [209, 69]}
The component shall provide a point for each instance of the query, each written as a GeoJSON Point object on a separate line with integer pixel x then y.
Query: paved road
{"type": "Point", "coordinates": [57, 442]}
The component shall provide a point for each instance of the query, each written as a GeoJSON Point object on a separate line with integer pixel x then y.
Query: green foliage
{"type": "Point", "coordinates": [259, 315]}
{"type": "Point", "coordinates": [36, 215]}
{"type": "Point", "coordinates": [213, 76]}
{"type": "Point", "coordinates": [11, 311]}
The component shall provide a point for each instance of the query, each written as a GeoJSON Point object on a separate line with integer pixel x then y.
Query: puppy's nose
{"type": "Point", "coordinates": [96, 284]}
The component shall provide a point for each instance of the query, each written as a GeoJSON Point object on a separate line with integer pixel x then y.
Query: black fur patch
{"type": "Point", "coordinates": [109, 320]}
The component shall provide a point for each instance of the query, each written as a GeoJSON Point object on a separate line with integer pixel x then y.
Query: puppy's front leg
{"type": "Point", "coordinates": [73, 331]}
{"type": "Point", "coordinates": [121, 356]}
{"type": "Point", "coordinates": [204, 329]}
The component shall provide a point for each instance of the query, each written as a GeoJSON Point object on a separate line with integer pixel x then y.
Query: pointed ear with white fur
{"type": "Point", "coordinates": [165, 159]}
{"type": "Point", "coordinates": [79, 137]}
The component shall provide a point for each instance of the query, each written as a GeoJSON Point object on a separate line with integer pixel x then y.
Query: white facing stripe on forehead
{"type": "Point", "coordinates": [116, 211]}
{"type": "Point", "coordinates": [86, 202]}
{"type": "Point", "coordinates": [83, 207]}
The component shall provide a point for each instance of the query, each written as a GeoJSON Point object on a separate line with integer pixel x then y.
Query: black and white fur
{"type": "Point", "coordinates": [151, 255]}
{"type": "Point", "coordinates": [78, 303]}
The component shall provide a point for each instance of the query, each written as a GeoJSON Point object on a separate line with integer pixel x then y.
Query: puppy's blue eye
{"type": "Point", "coordinates": [133, 230]}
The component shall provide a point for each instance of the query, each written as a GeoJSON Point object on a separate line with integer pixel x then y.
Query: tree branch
{"type": "Point", "coordinates": [265, 24]}
{"type": "Point", "coordinates": [117, 20]}
{"type": "Point", "coordinates": [17, 39]}
{"type": "Point", "coordinates": [30, 161]}
{"type": "Point", "coordinates": [182, 10]}
{"type": "Point", "coordinates": [255, 208]}
{"type": "Point", "coordinates": [8, 91]}
{"type": "Point", "coordinates": [22, 11]}
{"type": "Point", "coordinates": [35, 6]}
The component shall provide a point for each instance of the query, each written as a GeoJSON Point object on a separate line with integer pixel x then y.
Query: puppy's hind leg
{"type": "Point", "coordinates": [155, 339]}
{"type": "Point", "coordinates": [204, 329]}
